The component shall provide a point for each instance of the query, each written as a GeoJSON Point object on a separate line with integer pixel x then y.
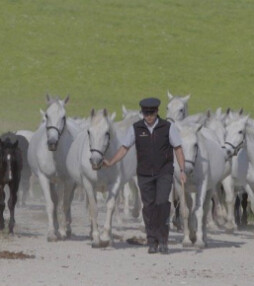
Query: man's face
{"type": "Point", "coordinates": [150, 116]}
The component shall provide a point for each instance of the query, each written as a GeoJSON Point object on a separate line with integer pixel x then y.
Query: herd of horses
{"type": "Point", "coordinates": [66, 152]}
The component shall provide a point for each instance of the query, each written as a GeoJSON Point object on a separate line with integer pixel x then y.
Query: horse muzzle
{"type": "Point", "coordinates": [96, 165]}
{"type": "Point", "coordinates": [52, 146]}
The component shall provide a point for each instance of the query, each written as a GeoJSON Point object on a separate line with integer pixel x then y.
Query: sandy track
{"type": "Point", "coordinates": [228, 260]}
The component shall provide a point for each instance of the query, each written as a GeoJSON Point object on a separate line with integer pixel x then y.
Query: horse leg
{"type": "Point", "coordinates": [218, 207]}
{"type": "Point", "coordinates": [51, 211]}
{"type": "Point", "coordinates": [69, 189]}
{"type": "Point", "coordinates": [185, 206]}
{"type": "Point", "coordinates": [230, 199]}
{"type": "Point", "coordinates": [60, 212]}
{"type": "Point", "coordinates": [126, 199]}
{"type": "Point", "coordinates": [206, 207]}
{"type": "Point", "coordinates": [23, 189]}
{"type": "Point", "coordinates": [199, 214]}
{"type": "Point", "coordinates": [12, 202]}
{"type": "Point", "coordinates": [244, 204]}
{"type": "Point", "coordinates": [137, 207]}
{"type": "Point", "coordinates": [2, 207]}
{"type": "Point", "coordinates": [93, 210]}
{"type": "Point", "coordinates": [106, 237]}
{"type": "Point", "coordinates": [237, 210]}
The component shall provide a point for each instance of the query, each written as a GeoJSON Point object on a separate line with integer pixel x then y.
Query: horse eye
{"type": "Point", "coordinates": [181, 110]}
{"type": "Point", "coordinates": [240, 132]}
{"type": "Point", "coordinates": [88, 132]}
{"type": "Point", "coordinates": [46, 116]}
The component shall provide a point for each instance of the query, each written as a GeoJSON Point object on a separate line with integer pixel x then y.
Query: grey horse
{"type": "Point", "coordinates": [47, 153]}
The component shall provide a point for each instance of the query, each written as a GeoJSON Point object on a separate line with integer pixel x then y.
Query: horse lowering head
{"type": "Point", "coordinates": [189, 144]}
{"type": "Point", "coordinates": [177, 108]}
{"type": "Point", "coordinates": [99, 137]}
{"type": "Point", "coordinates": [55, 119]}
{"type": "Point", "coordinates": [235, 136]}
{"type": "Point", "coordinates": [8, 159]}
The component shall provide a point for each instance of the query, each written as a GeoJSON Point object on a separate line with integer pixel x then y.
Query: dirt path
{"type": "Point", "coordinates": [228, 260]}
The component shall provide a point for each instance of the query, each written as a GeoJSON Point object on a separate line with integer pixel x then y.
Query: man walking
{"type": "Point", "coordinates": [155, 140]}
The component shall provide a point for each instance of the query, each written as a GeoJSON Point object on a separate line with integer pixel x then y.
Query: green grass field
{"type": "Point", "coordinates": [106, 53]}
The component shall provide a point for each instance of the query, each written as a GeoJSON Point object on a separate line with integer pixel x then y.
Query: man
{"type": "Point", "coordinates": [155, 140]}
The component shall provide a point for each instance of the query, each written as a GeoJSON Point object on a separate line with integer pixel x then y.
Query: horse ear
{"type": "Point", "coordinates": [67, 99]}
{"type": "Point", "coordinates": [42, 113]}
{"type": "Point", "coordinates": [241, 111]}
{"type": "Point", "coordinates": [245, 119]}
{"type": "Point", "coordinates": [105, 112]}
{"type": "Point", "coordinates": [186, 98]}
{"type": "Point", "coordinates": [48, 98]}
{"type": "Point", "coordinates": [218, 112]}
{"type": "Point", "coordinates": [228, 111]}
{"type": "Point", "coordinates": [113, 116]}
{"type": "Point", "coordinates": [208, 113]}
{"type": "Point", "coordinates": [170, 96]}
{"type": "Point", "coordinates": [92, 113]}
{"type": "Point", "coordinates": [124, 110]}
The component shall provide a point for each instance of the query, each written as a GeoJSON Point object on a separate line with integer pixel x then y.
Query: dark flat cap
{"type": "Point", "coordinates": [150, 103]}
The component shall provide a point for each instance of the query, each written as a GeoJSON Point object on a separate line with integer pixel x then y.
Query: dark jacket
{"type": "Point", "coordinates": [154, 151]}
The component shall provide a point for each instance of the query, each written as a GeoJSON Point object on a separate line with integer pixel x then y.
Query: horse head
{"type": "Point", "coordinates": [177, 108]}
{"type": "Point", "coordinates": [55, 119]}
{"type": "Point", "coordinates": [99, 131]}
{"type": "Point", "coordinates": [189, 144]}
{"type": "Point", "coordinates": [235, 136]}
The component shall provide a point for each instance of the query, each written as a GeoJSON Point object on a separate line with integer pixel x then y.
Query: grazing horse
{"type": "Point", "coordinates": [84, 162]}
{"type": "Point", "coordinates": [47, 154]}
{"type": "Point", "coordinates": [10, 172]}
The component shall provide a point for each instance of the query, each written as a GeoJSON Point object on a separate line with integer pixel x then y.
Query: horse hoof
{"type": "Point", "coordinates": [95, 244]}
{"type": "Point", "coordinates": [104, 243]}
{"type": "Point", "coordinates": [52, 238]}
{"type": "Point", "coordinates": [68, 234]}
{"type": "Point", "coordinates": [201, 244]}
{"type": "Point", "coordinates": [187, 244]}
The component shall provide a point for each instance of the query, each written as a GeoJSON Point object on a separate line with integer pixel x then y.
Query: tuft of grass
{"type": "Point", "coordinates": [106, 53]}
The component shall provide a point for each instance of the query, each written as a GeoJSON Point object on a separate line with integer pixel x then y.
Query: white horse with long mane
{"type": "Point", "coordinates": [84, 162]}
{"type": "Point", "coordinates": [47, 153]}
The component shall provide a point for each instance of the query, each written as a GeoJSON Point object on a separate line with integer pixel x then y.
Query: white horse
{"type": "Point", "coordinates": [177, 110]}
{"type": "Point", "coordinates": [205, 166]}
{"type": "Point", "coordinates": [84, 162]}
{"type": "Point", "coordinates": [239, 143]}
{"type": "Point", "coordinates": [47, 153]}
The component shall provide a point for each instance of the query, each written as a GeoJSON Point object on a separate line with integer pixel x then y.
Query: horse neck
{"type": "Point", "coordinates": [114, 141]}
{"type": "Point", "coordinates": [249, 143]}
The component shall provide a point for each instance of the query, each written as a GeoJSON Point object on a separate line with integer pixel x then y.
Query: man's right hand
{"type": "Point", "coordinates": [106, 163]}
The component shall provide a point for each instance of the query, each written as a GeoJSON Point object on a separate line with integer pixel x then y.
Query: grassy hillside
{"type": "Point", "coordinates": [106, 53]}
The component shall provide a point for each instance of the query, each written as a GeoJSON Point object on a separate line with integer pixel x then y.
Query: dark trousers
{"type": "Point", "coordinates": [156, 206]}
